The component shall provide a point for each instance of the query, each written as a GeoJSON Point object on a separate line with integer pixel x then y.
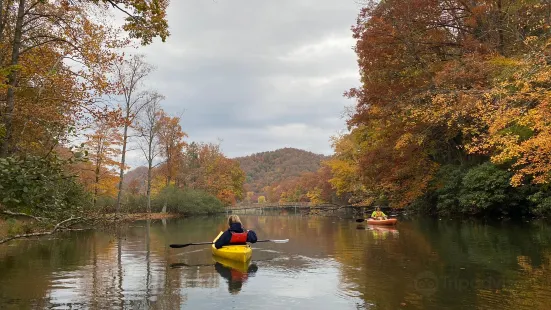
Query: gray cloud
{"type": "Point", "coordinates": [260, 75]}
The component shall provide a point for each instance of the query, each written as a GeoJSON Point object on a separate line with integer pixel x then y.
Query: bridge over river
{"type": "Point", "coordinates": [288, 205]}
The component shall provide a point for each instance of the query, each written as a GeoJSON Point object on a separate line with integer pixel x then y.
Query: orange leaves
{"type": "Point", "coordinates": [206, 168]}
{"type": "Point", "coordinates": [171, 142]}
{"type": "Point", "coordinates": [445, 83]}
{"type": "Point", "coordinates": [519, 123]}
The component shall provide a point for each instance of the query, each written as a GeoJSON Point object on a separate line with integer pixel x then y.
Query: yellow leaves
{"type": "Point", "coordinates": [157, 183]}
{"type": "Point", "coordinates": [108, 185]}
{"type": "Point", "coordinates": [504, 61]}
{"type": "Point", "coordinates": [519, 124]}
{"type": "Point", "coordinates": [315, 196]}
{"type": "Point", "coordinates": [408, 138]}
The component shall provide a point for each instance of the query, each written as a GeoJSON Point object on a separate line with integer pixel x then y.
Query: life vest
{"type": "Point", "coordinates": [237, 275]}
{"type": "Point", "coordinates": [238, 238]}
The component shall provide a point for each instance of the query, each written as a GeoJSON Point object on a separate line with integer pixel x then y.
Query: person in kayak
{"type": "Point", "coordinates": [235, 234]}
{"type": "Point", "coordinates": [378, 214]}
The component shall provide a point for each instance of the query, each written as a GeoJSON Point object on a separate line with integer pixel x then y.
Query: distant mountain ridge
{"type": "Point", "coordinates": [266, 168]}
{"type": "Point", "coordinates": [261, 169]}
{"type": "Point", "coordinates": [139, 173]}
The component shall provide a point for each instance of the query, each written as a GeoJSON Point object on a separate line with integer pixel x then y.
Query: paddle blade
{"type": "Point", "coordinates": [360, 220]}
{"type": "Point", "coordinates": [281, 241]}
{"type": "Point", "coordinates": [177, 246]}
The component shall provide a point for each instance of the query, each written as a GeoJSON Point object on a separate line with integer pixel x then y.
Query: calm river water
{"type": "Point", "coordinates": [329, 263]}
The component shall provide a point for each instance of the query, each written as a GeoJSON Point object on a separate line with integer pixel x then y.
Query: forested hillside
{"type": "Point", "coordinates": [266, 168]}
{"type": "Point", "coordinates": [452, 112]}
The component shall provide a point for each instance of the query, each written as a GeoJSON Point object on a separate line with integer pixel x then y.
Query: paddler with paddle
{"type": "Point", "coordinates": [378, 214]}
{"type": "Point", "coordinates": [235, 234]}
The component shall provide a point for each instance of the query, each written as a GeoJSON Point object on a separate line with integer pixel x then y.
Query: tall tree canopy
{"type": "Point", "coordinates": [446, 82]}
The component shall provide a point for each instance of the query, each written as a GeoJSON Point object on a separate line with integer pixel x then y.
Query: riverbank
{"type": "Point", "coordinates": [17, 227]}
{"type": "Point", "coordinates": [141, 216]}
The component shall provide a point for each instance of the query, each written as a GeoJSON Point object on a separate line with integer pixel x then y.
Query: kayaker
{"type": "Point", "coordinates": [235, 234]}
{"type": "Point", "coordinates": [378, 214]}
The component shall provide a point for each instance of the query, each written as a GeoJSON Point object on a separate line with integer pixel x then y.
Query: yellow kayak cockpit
{"type": "Point", "coordinates": [240, 253]}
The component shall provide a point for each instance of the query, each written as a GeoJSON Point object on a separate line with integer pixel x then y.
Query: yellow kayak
{"type": "Point", "coordinates": [240, 253]}
{"type": "Point", "coordinates": [239, 266]}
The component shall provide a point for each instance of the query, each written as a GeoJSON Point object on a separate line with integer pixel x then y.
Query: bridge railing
{"type": "Point", "coordinates": [271, 205]}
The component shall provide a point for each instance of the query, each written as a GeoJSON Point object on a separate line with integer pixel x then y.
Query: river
{"type": "Point", "coordinates": [329, 263]}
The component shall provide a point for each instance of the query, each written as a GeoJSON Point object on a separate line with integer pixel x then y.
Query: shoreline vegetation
{"type": "Point", "coordinates": [19, 225]}
{"type": "Point", "coordinates": [451, 118]}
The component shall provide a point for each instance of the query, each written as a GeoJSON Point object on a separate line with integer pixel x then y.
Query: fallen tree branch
{"type": "Point", "coordinates": [65, 221]}
{"type": "Point", "coordinates": [25, 236]}
{"type": "Point", "coordinates": [57, 227]}
{"type": "Point", "coordinates": [40, 219]}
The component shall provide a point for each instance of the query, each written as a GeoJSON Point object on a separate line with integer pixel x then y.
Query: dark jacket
{"type": "Point", "coordinates": [226, 236]}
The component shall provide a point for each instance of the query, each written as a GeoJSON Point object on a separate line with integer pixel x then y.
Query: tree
{"type": "Point", "coordinates": [171, 143]}
{"type": "Point", "coordinates": [103, 145]}
{"type": "Point", "coordinates": [206, 168]}
{"type": "Point", "coordinates": [261, 199]}
{"type": "Point", "coordinates": [148, 129]}
{"type": "Point", "coordinates": [130, 75]}
{"type": "Point", "coordinates": [69, 30]}
{"type": "Point", "coordinates": [426, 68]}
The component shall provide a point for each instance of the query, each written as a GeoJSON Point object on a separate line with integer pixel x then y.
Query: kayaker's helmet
{"type": "Point", "coordinates": [232, 219]}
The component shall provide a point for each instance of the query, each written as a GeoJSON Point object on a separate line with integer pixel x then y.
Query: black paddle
{"type": "Point", "coordinates": [176, 246]}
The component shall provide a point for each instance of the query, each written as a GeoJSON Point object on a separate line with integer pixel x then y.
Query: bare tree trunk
{"type": "Point", "coordinates": [12, 81]}
{"type": "Point", "coordinates": [97, 172]}
{"type": "Point", "coordinates": [123, 160]}
{"type": "Point", "coordinates": [500, 20]}
{"type": "Point", "coordinates": [149, 168]}
{"type": "Point", "coordinates": [168, 168]}
{"type": "Point", "coordinates": [2, 20]}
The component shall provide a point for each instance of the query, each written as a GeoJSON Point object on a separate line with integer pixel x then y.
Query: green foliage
{"type": "Point", "coordinates": [541, 201]}
{"type": "Point", "coordinates": [187, 201]}
{"type": "Point", "coordinates": [15, 227]}
{"type": "Point", "coordinates": [449, 184]}
{"type": "Point", "coordinates": [483, 187]}
{"type": "Point", "coordinates": [40, 186]}
{"type": "Point", "coordinates": [137, 203]}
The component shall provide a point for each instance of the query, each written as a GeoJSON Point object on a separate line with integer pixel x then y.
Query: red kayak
{"type": "Point", "coordinates": [381, 222]}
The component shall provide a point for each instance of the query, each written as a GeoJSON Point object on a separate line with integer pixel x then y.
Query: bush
{"type": "Point", "coordinates": [449, 180]}
{"type": "Point", "coordinates": [481, 189]}
{"type": "Point", "coordinates": [137, 204]}
{"type": "Point", "coordinates": [541, 203]}
{"type": "Point", "coordinates": [106, 204]}
{"type": "Point", "coordinates": [187, 201]}
{"type": "Point", "coordinates": [484, 187]}
{"type": "Point", "coordinates": [40, 186]}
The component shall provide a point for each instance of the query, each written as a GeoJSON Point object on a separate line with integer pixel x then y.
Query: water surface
{"type": "Point", "coordinates": [329, 263]}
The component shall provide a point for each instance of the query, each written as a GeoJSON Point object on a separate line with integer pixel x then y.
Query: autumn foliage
{"type": "Point", "coordinates": [71, 102]}
{"type": "Point", "coordinates": [448, 83]}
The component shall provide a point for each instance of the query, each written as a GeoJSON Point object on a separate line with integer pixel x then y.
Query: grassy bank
{"type": "Point", "coordinates": [141, 216]}
{"type": "Point", "coordinates": [23, 227]}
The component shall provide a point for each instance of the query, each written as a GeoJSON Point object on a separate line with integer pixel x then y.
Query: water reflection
{"type": "Point", "coordinates": [380, 232]}
{"type": "Point", "coordinates": [328, 263]}
{"type": "Point", "coordinates": [235, 273]}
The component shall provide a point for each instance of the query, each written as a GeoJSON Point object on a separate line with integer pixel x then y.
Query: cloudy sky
{"type": "Point", "coordinates": [257, 74]}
